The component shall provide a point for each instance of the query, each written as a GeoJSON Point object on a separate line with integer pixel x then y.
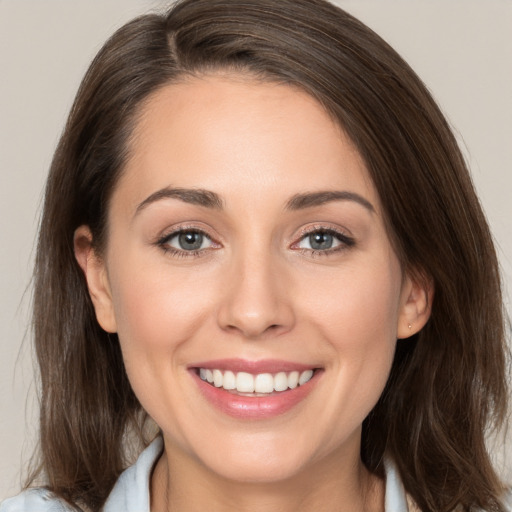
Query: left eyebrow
{"type": "Point", "coordinates": [311, 199]}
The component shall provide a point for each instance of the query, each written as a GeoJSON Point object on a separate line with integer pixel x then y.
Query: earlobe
{"type": "Point", "coordinates": [96, 276]}
{"type": "Point", "coordinates": [416, 305]}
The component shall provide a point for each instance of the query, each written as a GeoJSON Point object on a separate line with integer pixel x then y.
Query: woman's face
{"type": "Point", "coordinates": [246, 243]}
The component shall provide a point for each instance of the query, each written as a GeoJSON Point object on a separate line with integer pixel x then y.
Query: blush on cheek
{"type": "Point", "coordinates": [159, 313]}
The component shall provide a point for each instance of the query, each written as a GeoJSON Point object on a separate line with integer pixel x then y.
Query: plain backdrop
{"type": "Point", "coordinates": [461, 48]}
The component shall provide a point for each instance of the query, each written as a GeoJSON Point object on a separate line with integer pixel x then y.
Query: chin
{"type": "Point", "coordinates": [262, 458]}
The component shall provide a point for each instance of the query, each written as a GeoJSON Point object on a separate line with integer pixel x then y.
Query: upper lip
{"type": "Point", "coordinates": [253, 367]}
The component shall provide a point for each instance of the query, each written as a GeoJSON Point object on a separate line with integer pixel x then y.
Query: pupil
{"type": "Point", "coordinates": [320, 241]}
{"type": "Point", "coordinates": [190, 241]}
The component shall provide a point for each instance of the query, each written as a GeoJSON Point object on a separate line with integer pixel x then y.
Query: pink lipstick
{"type": "Point", "coordinates": [254, 389]}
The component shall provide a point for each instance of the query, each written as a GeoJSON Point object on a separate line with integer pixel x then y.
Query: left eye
{"type": "Point", "coordinates": [188, 241]}
{"type": "Point", "coordinates": [322, 240]}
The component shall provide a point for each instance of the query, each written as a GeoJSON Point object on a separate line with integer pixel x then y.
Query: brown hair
{"type": "Point", "coordinates": [448, 383]}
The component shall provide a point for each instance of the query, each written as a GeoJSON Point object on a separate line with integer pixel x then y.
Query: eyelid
{"type": "Point", "coordinates": [163, 240]}
{"type": "Point", "coordinates": [346, 240]}
{"type": "Point", "coordinates": [312, 228]}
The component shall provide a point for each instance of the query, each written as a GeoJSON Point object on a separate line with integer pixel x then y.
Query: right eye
{"type": "Point", "coordinates": [186, 242]}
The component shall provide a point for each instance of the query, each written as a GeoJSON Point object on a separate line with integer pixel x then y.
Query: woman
{"type": "Point", "coordinates": [251, 203]}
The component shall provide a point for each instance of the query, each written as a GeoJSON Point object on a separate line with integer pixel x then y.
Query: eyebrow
{"type": "Point", "coordinates": [209, 199]}
{"type": "Point", "coordinates": [195, 196]}
{"type": "Point", "coordinates": [311, 199]}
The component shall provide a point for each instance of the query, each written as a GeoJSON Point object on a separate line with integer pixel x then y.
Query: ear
{"type": "Point", "coordinates": [415, 304]}
{"type": "Point", "coordinates": [96, 276]}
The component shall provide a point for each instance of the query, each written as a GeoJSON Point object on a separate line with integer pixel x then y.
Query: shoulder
{"type": "Point", "coordinates": [398, 500]}
{"type": "Point", "coordinates": [130, 493]}
{"type": "Point", "coordinates": [35, 500]}
{"type": "Point", "coordinates": [507, 500]}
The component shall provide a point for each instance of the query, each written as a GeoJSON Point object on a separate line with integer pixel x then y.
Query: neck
{"type": "Point", "coordinates": [329, 485]}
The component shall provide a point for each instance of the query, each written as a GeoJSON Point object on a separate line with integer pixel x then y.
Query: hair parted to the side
{"type": "Point", "coordinates": [448, 383]}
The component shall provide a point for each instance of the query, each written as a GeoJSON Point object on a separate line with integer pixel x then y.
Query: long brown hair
{"type": "Point", "coordinates": [447, 387]}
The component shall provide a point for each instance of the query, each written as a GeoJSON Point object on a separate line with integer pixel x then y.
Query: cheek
{"type": "Point", "coordinates": [158, 308]}
{"type": "Point", "coordinates": [359, 305]}
{"type": "Point", "coordinates": [158, 311]}
{"type": "Point", "coordinates": [357, 317]}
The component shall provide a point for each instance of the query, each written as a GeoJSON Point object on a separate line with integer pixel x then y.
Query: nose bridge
{"type": "Point", "coordinates": [255, 300]}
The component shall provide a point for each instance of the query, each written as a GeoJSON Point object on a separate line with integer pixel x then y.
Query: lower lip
{"type": "Point", "coordinates": [257, 407]}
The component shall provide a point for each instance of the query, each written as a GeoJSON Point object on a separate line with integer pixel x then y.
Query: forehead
{"type": "Point", "coordinates": [226, 133]}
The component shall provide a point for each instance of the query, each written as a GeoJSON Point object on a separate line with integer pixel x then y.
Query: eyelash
{"type": "Point", "coordinates": [163, 243]}
{"type": "Point", "coordinates": [346, 242]}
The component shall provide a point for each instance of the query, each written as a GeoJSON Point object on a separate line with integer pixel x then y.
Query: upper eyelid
{"type": "Point", "coordinates": [344, 237]}
{"type": "Point", "coordinates": [304, 232]}
{"type": "Point", "coordinates": [325, 228]}
{"type": "Point", "coordinates": [171, 232]}
{"type": "Point", "coordinates": [163, 242]}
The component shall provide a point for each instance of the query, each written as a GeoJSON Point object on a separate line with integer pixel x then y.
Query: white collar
{"type": "Point", "coordinates": [131, 491]}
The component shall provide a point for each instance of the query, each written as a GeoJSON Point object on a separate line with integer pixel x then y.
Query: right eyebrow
{"type": "Point", "coordinates": [197, 196]}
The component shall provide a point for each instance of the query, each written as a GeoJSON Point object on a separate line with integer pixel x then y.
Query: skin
{"type": "Point", "coordinates": [256, 291]}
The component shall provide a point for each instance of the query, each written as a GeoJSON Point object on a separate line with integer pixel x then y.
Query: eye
{"type": "Point", "coordinates": [185, 241]}
{"type": "Point", "coordinates": [319, 241]}
{"type": "Point", "coordinates": [323, 240]}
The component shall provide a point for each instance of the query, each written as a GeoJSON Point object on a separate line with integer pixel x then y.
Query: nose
{"type": "Point", "coordinates": [256, 299]}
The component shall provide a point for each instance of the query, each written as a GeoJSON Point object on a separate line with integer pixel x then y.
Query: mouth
{"type": "Point", "coordinates": [255, 390]}
{"type": "Point", "coordinates": [261, 384]}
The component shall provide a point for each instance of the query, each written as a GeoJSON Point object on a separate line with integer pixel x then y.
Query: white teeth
{"type": "Point", "coordinates": [229, 380]}
{"type": "Point", "coordinates": [305, 376]}
{"type": "Point", "coordinates": [281, 382]}
{"type": "Point", "coordinates": [293, 380]}
{"type": "Point", "coordinates": [264, 383]}
{"type": "Point", "coordinates": [244, 382]}
{"type": "Point", "coordinates": [217, 378]}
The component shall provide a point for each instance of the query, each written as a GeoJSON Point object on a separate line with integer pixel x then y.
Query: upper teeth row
{"type": "Point", "coordinates": [260, 383]}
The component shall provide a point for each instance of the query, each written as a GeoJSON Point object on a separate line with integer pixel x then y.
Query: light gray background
{"type": "Point", "coordinates": [461, 48]}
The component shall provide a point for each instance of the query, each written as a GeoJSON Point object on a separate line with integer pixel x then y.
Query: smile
{"type": "Point", "coordinates": [255, 390]}
{"type": "Point", "coordinates": [262, 383]}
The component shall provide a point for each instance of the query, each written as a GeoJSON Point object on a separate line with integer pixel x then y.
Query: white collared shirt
{"type": "Point", "coordinates": [131, 491]}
